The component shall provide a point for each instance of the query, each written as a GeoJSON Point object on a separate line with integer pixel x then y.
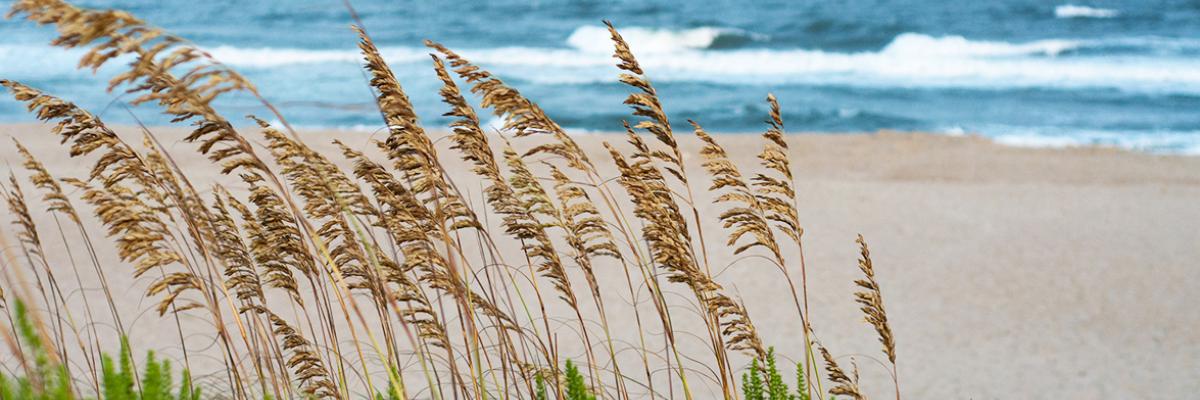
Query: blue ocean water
{"type": "Point", "coordinates": [1026, 72]}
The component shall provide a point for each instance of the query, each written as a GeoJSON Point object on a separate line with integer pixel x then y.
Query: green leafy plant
{"type": "Point", "coordinates": [540, 387]}
{"type": "Point", "coordinates": [46, 379]}
{"type": "Point", "coordinates": [801, 384]}
{"type": "Point", "coordinates": [767, 383]}
{"type": "Point", "coordinates": [49, 380]}
{"type": "Point", "coordinates": [752, 384]}
{"type": "Point", "coordinates": [576, 388]}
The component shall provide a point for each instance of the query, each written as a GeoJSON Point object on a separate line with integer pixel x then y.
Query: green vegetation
{"type": "Point", "coordinates": [48, 379]}
{"type": "Point", "coordinates": [767, 384]}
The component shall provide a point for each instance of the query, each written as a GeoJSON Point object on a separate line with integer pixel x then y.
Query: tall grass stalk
{"type": "Point", "coordinates": [371, 271]}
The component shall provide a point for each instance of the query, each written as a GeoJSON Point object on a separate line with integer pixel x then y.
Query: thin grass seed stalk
{"type": "Point", "coordinates": [337, 276]}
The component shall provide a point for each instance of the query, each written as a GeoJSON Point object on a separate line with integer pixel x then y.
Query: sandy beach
{"type": "Point", "coordinates": [1007, 272]}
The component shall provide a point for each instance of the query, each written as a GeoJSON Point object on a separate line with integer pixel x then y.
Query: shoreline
{"type": "Point", "coordinates": [958, 138]}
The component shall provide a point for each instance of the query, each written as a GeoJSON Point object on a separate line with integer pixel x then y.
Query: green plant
{"type": "Point", "coordinates": [801, 383]}
{"type": "Point", "coordinates": [118, 379]}
{"type": "Point", "coordinates": [767, 384]}
{"type": "Point", "coordinates": [540, 388]}
{"type": "Point", "coordinates": [49, 380]}
{"type": "Point", "coordinates": [576, 388]}
{"type": "Point", "coordinates": [46, 378]}
{"type": "Point", "coordinates": [752, 388]}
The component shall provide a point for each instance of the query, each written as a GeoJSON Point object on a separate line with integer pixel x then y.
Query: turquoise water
{"type": "Point", "coordinates": [1026, 72]}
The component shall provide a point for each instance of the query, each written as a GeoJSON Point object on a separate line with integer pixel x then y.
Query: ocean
{"type": "Point", "coordinates": [1121, 73]}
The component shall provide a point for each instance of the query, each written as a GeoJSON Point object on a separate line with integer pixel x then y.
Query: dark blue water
{"type": "Point", "coordinates": [1026, 72]}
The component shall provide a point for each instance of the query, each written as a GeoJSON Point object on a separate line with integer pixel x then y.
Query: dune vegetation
{"type": "Point", "coordinates": [370, 273]}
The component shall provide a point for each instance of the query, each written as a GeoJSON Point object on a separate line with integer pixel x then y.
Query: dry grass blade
{"type": "Point", "coordinates": [142, 239]}
{"type": "Point", "coordinates": [746, 216]}
{"type": "Point", "coordinates": [408, 224]}
{"type": "Point", "coordinates": [846, 385]}
{"type": "Point", "coordinates": [520, 200]}
{"type": "Point", "coordinates": [330, 200]}
{"type": "Point", "coordinates": [586, 229]}
{"type": "Point", "coordinates": [110, 34]}
{"type": "Point", "coordinates": [412, 227]}
{"type": "Point", "coordinates": [736, 326]}
{"type": "Point", "coordinates": [27, 233]}
{"type": "Point", "coordinates": [775, 191]}
{"type": "Point", "coordinates": [666, 231]}
{"type": "Point", "coordinates": [56, 200]}
{"type": "Point", "coordinates": [408, 146]}
{"type": "Point", "coordinates": [241, 273]}
{"type": "Point", "coordinates": [302, 359]}
{"type": "Point", "coordinates": [521, 115]}
{"type": "Point", "coordinates": [530, 229]}
{"type": "Point", "coordinates": [871, 301]}
{"type": "Point", "coordinates": [275, 239]}
{"type": "Point", "coordinates": [418, 309]}
{"type": "Point", "coordinates": [178, 193]}
{"type": "Point", "coordinates": [87, 134]}
{"type": "Point", "coordinates": [645, 103]}
{"type": "Point", "coordinates": [473, 143]}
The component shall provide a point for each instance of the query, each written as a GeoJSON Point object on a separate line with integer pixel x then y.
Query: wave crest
{"type": "Point", "coordinates": [1077, 11]}
{"type": "Point", "coordinates": [596, 39]}
{"type": "Point", "coordinates": [915, 44]}
{"type": "Point", "coordinates": [910, 60]}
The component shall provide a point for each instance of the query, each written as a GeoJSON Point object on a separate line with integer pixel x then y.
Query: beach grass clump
{"type": "Point", "coordinates": [375, 271]}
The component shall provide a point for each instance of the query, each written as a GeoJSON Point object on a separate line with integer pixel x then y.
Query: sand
{"type": "Point", "coordinates": [1007, 272]}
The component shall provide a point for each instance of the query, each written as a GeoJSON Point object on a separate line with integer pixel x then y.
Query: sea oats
{"type": "Point", "coordinates": [871, 300]}
{"type": "Point", "coordinates": [109, 34]}
{"type": "Point", "coordinates": [746, 216]}
{"type": "Point", "coordinates": [330, 200]}
{"type": "Point", "coordinates": [275, 240]}
{"type": "Point", "coordinates": [241, 273]}
{"type": "Point", "coordinates": [27, 233]}
{"type": "Point", "coordinates": [87, 134]}
{"type": "Point", "coordinates": [670, 243]}
{"type": "Point", "coordinates": [645, 103]}
{"type": "Point", "coordinates": [307, 367]}
{"type": "Point", "coordinates": [54, 197]}
{"type": "Point", "coordinates": [775, 190]}
{"type": "Point", "coordinates": [532, 230]}
{"type": "Point", "coordinates": [845, 385]}
{"type": "Point", "coordinates": [521, 116]}
{"type": "Point", "coordinates": [296, 231]}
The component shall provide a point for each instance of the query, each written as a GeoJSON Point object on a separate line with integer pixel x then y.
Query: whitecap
{"type": "Point", "coordinates": [1154, 65]}
{"type": "Point", "coordinates": [596, 39]}
{"type": "Point", "coordinates": [1162, 142]}
{"type": "Point", "coordinates": [1078, 11]}
{"type": "Point", "coordinates": [919, 45]}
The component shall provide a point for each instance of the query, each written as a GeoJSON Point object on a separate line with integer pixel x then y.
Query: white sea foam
{"type": "Point", "coordinates": [596, 39]}
{"type": "Point", "coordinates": [1170, 142]}
{"type": "Point", "coordinates": [1078, 11]}
{"type": "Point", "coordinates": [918, 45]}
{"type": "Point", "coordinates": [910, 60]}
{"type": "Point", "coordinates": [1035, 140]}
{"type": "Point", "coordinates": [1145, 64]}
